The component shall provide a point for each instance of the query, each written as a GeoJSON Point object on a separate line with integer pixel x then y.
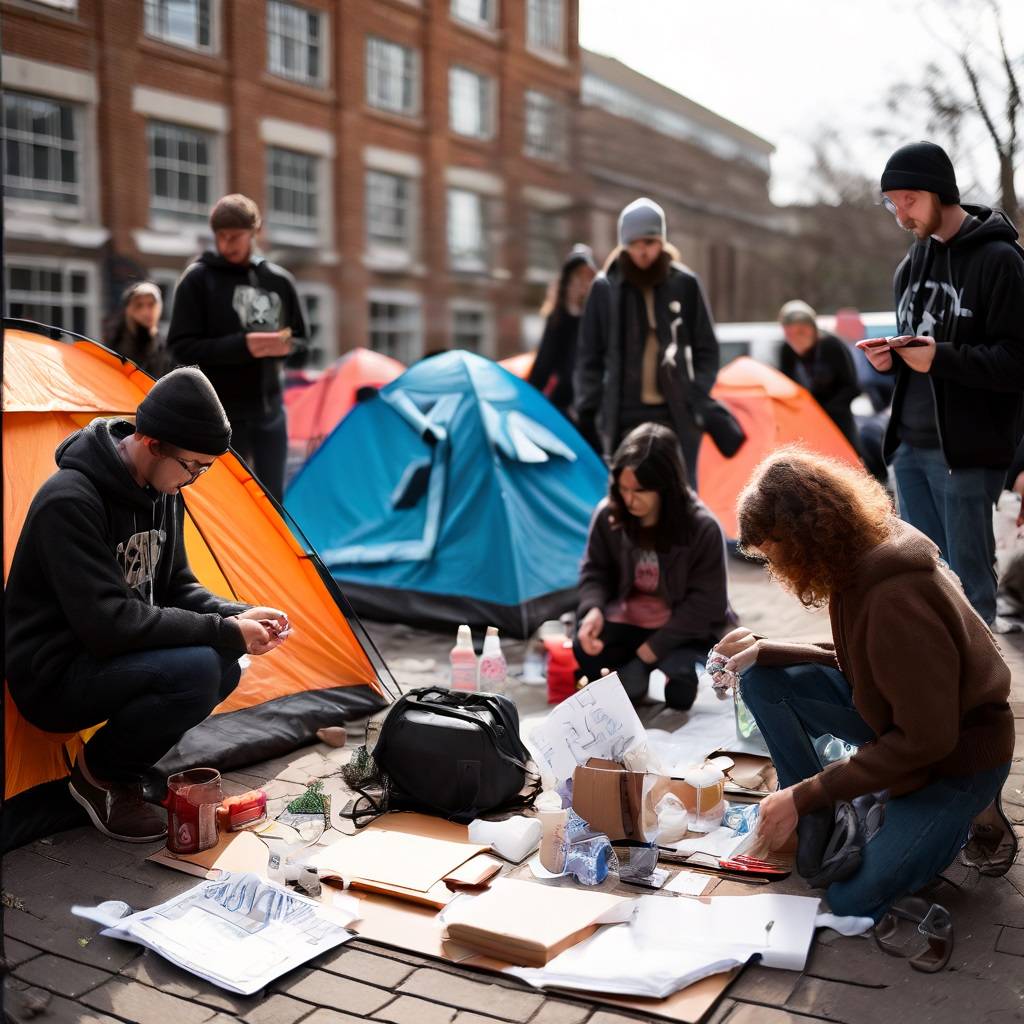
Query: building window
{"type": "Point", "coordinates": [483, 13]}
{"type": "Point", "coordinates": [61, 5]}
{"type": "Point", "coordinates": [42, 148]}
{"type": "Point", "coordinates": [167, 281]}
{"type": "Point", "coordinates": [181, 22]}
{"type": "Point", "coordinates": [291, 189]}
{"type": "Point", "coordinates": [546, 243]}
{"type": "Point", "coordinates": [56, 294]}
{"type": "Point", "coordinates": [395, 327]}
{"type": "Point", "coordinates": [544, 21]}
{"type": "Point", "coordinates": [470, 103]}
{"type": "Point", "coordinates": [388, 209]}
{"type": "Point", "coordinates": [318, 301]}
{"type": "Point", "coordinates": [546, 126]}
{"type": "Point", "coordinates": [295, 42]}
{"type": "Point", "coordinates": [391, 76]}
{"type": "Point", "coordinates": [467, 236]}
{"type": "Point", "coordinates": [180, 170]}
{"type": "Point", "coordinates": [471, 330]}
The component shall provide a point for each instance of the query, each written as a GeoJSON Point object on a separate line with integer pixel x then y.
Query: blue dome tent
{"type": "Point", "coordinates": [457, 494]}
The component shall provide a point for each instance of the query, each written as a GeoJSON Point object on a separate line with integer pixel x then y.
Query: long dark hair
{"type": "Point", "coordinates": [652, 452]}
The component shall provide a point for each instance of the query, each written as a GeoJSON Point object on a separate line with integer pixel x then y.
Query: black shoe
{"type": "Point", "coordinates": [681, 693]}
{"type": "Point", "coordinates": [117, 810]}
{"type": "Point", "coordinates": [993, 845]}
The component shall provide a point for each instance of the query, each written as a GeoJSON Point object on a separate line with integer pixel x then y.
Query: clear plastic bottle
{"type": "Point", "coordinates": [463, 662]}
{"type": "Point", "coordinates": [493, 667]}
{"type": "Point", "coordinates": [553, 817]}
{"type": "Point", "coordinates": [831, 748]}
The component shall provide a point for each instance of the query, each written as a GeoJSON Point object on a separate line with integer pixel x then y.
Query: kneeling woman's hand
{"type": "Point", "coordinates": [777, 818]}
{"type": "Point", "coordinates": [589, 632]}
{"type": "Point", "coordinates": [740, 647]}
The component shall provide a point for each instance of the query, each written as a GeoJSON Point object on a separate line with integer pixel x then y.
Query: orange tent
{"type": "Point", "coordinates": [520, 365]}
{"type": "Point", "coordinates": [773, 411]}
{"type": "Point", "coordinates": [316, 410]}
{"type": "Point", "coordinates": [239, 546]}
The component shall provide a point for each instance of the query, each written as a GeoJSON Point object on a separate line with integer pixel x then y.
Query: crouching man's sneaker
{"type": "Point", "coordinates": [992, 846]}
{"type": "Point", "coordinates": [117, 810]}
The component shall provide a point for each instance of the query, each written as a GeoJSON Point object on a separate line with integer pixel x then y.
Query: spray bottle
{"type": "Point", "coordinates": [493, 667]}
{"type": "Point", "coordinates": [463, 661]}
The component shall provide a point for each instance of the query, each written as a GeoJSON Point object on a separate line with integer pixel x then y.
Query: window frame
{"type": "Point", "coordinates": [485, 311]}
{"type": "Point", "coordinates": [176, 210]}
{"type": "Point", "coordinates": [153, 8]}
{"type": "Point", "coordinates": [322, 77]}
{"type": "Point", "coordinates": [489, 25]}
{"type": "Point", "coordinates": [405, 243]}
{"type": "Point", "coordinates": [412, 303]}
{"type": "Point", "coordinates": [326, 299]}
{"type": "Point", "coordinates": [375, 45]}
{"type": "Point", "coordinates": [537, 33]}
{"type": "Point", "coordinates": [557, 127]}
{"type": "Point", "coordinates": [556, 239]}
{"type": "Point", "coordinates": [287, 225]}
{"type": "Point", "coordinates": [475, 261]}
{"type": "Point", "coordinates": [65, 268]}
{"type": "Point", "coordinates": [486, 103]}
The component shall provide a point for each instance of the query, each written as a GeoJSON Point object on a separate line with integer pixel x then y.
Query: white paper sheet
{"type": "Point", "coordinates": [238, 932]}
{"type": "Point", "coordinates": [671, 943]}
{"type": "Point", "coordinates": [598, 721]}
{"type": "Point", "coordinates": [710, 725]}
{"type": "Point", "coordinates": [689, 883]}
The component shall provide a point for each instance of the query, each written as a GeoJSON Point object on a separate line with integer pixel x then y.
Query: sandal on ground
{"type": "Point", "coordinates": [993, 845]}
{"type": "Point", "coordinates": [918, 931]}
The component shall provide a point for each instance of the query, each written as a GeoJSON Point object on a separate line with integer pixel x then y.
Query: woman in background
{"type": "Point", "coordinates": [134, 333]}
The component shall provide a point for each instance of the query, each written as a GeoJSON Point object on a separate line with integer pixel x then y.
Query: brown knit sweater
{"type": "Point", "coordinates": [926, 675]}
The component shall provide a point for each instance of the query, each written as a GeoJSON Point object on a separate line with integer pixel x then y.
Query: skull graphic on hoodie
{"type": "Point", "coordinates": [257, 308]}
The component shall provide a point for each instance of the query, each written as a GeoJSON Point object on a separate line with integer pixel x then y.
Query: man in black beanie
{"type": "Point", "coordinates": [105, 621]}
{"type": "Point", "coordinates": [958, 361]}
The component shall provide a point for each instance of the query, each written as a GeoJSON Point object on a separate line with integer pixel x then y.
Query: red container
{"type": "Point", "coordinates": [561, 669]}
{"type": "Point", "coordinates": [192, 801]}
{"type": "Point", "coordinates": [238, 812]}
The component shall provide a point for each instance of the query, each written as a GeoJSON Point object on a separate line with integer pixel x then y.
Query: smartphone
{"type": "Point", "coordinates": [873, 343]}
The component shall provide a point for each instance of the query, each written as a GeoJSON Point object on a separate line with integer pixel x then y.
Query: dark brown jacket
{"type": "Point", "coordinates": [691, 579]}
{"type": "Point", "coordinates": [926, 675]}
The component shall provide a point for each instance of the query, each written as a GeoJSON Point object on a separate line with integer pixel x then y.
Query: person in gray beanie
{"type": "Point", "coordinates": [647, 348]}
{"type": "Point", "coordinates": [105, 621]}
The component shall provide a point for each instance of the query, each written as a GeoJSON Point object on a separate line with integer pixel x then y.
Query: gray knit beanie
{"type": "Point", "coordinates": [643, 218]}
{"type": "Point", "coordinates": [183, 409]}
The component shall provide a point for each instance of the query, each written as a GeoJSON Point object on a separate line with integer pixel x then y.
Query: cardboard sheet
{"type": "Point", "coordinates": [235, 851]}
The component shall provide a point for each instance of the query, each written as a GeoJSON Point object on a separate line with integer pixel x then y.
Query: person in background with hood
{"type": "Point", "coordinates": [237, 317]}
{"type": "Point", "coordinates": [553, 368]}
{"type": "Point", "coordinates": [135, 332]}
{"type": "Point", "coordinates": [914, 680]}
{"type": "Point", "coordinates": [821, 363]}
{"type": "Point", "coordinates": [959, 364]}
{"type": "Point", "coordinates": [105, 621]}
{"type": "Point", "coordinates": [647, 339]}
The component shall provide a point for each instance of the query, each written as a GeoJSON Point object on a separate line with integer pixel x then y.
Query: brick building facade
{"type": "Point", "coordinates": [422, 165]}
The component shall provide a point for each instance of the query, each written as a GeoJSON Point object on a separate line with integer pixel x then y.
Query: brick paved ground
{"type": "Point", "coordinates": [62, 973]}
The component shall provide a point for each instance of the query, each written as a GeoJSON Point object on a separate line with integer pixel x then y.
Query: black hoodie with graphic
{"type": "Point", "coordinates": [100, 568]}
{"type": "Point", "coordinates": [216, 304]}
{"type": "Point", "coordinates": [969, 295]}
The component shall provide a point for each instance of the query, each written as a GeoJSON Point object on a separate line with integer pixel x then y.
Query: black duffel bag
{"type": "Point", "coordinates": [452, 753]}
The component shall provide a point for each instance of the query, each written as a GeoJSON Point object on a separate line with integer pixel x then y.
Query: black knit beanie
{"type": "Point", "coordinates": [183, 409]}
{"type": "Point", "coordinates": [922, 166]}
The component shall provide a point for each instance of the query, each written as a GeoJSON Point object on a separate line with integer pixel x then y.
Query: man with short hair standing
{"type": "Point", "coordinates": [959, 364]}
{"type": "Point", "coordinates": [237, 317]}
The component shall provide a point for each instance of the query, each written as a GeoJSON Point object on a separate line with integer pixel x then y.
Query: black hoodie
{"type": "Point", "coordinates": [968, 295]}
{"type": "Point", "coordinates": [100, 569]}
{"type": "Point", "coordinates": [215, 305]}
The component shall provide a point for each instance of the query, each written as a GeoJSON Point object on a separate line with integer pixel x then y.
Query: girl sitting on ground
{"type": "Point", "coordinates": [653, 581]}
{"type": "Point", "coordinates": [914, 680]}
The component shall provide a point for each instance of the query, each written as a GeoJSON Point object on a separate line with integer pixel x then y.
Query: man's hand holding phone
{"type": "Point", "coordinates": [269, 344]}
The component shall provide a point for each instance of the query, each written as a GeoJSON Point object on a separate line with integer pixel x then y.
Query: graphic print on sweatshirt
{"type": "Point", "coordinates": [940, 299]}
{"type": "Point", "coordinates": [646, 574]}
{"type": "Point", "coordinates": [257, 309]}
{"type": "Point", "coordinates": [139, 556]}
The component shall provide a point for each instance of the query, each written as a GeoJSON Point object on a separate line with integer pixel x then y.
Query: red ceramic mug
{"type": "Point", "coordinates": [192, 800]}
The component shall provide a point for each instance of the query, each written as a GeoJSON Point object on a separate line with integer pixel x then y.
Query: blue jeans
{"type": "Point", "coordinates": [148, 700]}
{"type": "Point", "coordinates": [954, 508]}
{"type": "Point", "coordinates": [923, 831]}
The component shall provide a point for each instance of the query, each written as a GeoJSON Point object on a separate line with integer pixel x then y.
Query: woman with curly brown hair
{"type": "Point", "coordinates": [914, 680]}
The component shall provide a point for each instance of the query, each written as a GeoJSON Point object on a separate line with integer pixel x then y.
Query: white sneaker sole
{"type": "Point", "coordinates": [100, 827]}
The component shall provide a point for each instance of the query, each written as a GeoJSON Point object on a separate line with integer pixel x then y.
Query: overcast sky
{"type": "Point", "coordinates": [784, 67]}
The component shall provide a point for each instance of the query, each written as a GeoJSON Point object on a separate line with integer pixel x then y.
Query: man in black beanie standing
{"type": "Point", "coordinates": [105, 621]}
{"type": "Point", "coordinates": [959, 364]}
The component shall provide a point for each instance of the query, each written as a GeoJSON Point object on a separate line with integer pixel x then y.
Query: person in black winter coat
{"type": "Point", "coordinates": [647, 340]}
{"type": "Point", "coordinates": [958, 362]}
{"type": "Point", "coordinates": [553, 368]}
{"type": "Point", "coordinates": [237, 317]}
{"type": "Point", "coordinates": [105, 621]}
{"type": "Point", "coordinates": [134, 333]}
{"type": "Point", "coordinates": [821, 363]}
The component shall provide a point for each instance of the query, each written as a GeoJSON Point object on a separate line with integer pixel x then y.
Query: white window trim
{"type": "Point", "coordinates": [322, 235]}
{"type": "Point", "coordinates": [486, 28]}
{"type": "Point", "coordinates": [175, 108]}
{"type": "Point", "coordinates": [546, 198]}
{"type": "Point", "coordinates": [54, 80]}
{"type": "Point", "coordinates": [535, 274]}
{"type": "Point", "coordinates": [323, 80]}
{"type": "Point", "coordinates": [184, 230]}
{"type": "Point", "coordinates": [212, 50]}
{"type": "Point", "coordinates": [328, 315]}
{"type": "Point", "coordinates": [401, 298]}
{"type": "Point", "coordinates": [558, 57]}
{"type": "Point", "coordinates": [490, 84]}
{"type": "Point", "coordinates": [302, 138]}
{"type": "Point", "coordinates": [489, 346]}
{"type": "Point", "coordinates": [394, 257]}
{"type": "Point", "coordinates": [473, 180]}
{"type": "Point", "coordinates": [559, 128]}
{"type": "Point", "coordinates": [481, 266]}
{"type": "Point", "coordinates": [91, 271]}
{"type": "Point", "coordinates": [416, 108]}
{"type": "Point", "coordinates": [392, 161]}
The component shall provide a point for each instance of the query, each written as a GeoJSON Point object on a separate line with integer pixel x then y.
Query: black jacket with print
{"type": "Point", "coordinates": [100, 568]}
{"type": "Point", "coordinates": [968, 295]}
{"type": "Point", "coordinates": [216, 304]}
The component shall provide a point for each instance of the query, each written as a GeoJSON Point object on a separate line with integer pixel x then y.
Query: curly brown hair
{"type": "Point", "coordinates": [819, 516]}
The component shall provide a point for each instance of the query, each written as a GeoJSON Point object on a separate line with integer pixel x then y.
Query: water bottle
{"type": "Point", "coordinates": [590, 860]}
{"type": "Point", "coordinates": [831, 748]}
